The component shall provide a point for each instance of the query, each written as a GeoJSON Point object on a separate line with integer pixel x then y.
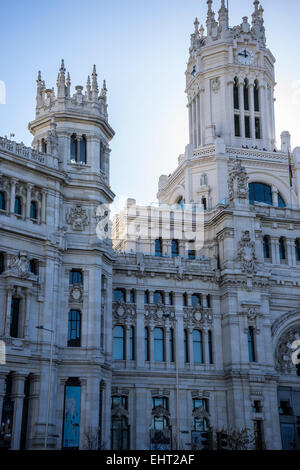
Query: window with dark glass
{"type": "Point", "coordinates": [119, 433]}
{"type": "Point", "coordinates": [119, 402]}
{"type": "Point", "coordinates": [197, 347]}
{"type": "Point", "coordinates": [175, 248]}
{"type": "Point", "coordinates": [159, 353]}
{"type": "Point", "coordinates": [237, 129]}
{"type": "Point", "coordinates": [147, 345]}
{"type": "Point", "coordinates": [158, 297]}
{"type": "Point", "coordinates": [75, 277]}
{"type": "Point", "coordinates": [132, 296]}
{"type": "Point", "coordinates": [18, 205]}
{"type": "Point", "coordinates": [186, 346]}
{"type": "Point", "coordinates": [44, 146]}
{"type": "Point", "coordinates": [146, 297]}
{"type": "Point", "coordinates": [15, 317]}
{"type": "Point", "coordinates": [74, 329]}
{"type": "Point", "coordinates": [257, 406]}
{"type": "Point", "coordinates": [158, 247]}
{"type": "Point", "coordinates": [171, 341]}
{"type": "Point", "coordinates": [180, 202]}
{"type": "Point", "coordinates": [73, 154]}
{"type": "Point", "coordinates": [260, 192]}
{"type": "Point", "coordinates": [282, 253]}
{"type": "Point", "coordinates": [256, 96]}
{"type": "Point", "coordinates": [2, 263]}
{"type": "Point", "coordinates": [200, 403]}
{"type": "Point", "coordinates": [118, 343]}
{"type": "Point", "coordinates": [258, 434]}
{"type": "Point", "coordinates": [204, 203]}
{"type": "Point", "coordinates": [196, 300]}
{"type": "Point", "coordinates": [247, 127]}
{"type": "Point", "coordinates": [131, 343]}
{"type": "Point", "coordinates": [281, 202]}
{"type": "Point", "coordinates": [191, 250]}
{"type": "Point", "coordinates": [208, 299]}
{"type": "Point", "coordinates": [257, 128]}
{"type": "Point", "coordinates": [184, 300]}
{"type": "Point", "coordinates": [297, 249]}
{"type": "Point", "coordinates": [251, 344]}
{"type": "Point", "coordinates": [246, 95]}
{"type": "Point", "coordinates": [34, 266]}
{"type": "Point", "coordinates": [160, 402]}
{"type": "Point", "coordinates": [101, 156]}
{"type": "Point", "coordinates": [171, 298]}
{"type": "Point", "coordinates": [285, 408]}
{"type": "Point", "coordinates": [33, 210]}
{"type": "Point", "coordinates": [2, 201]}
{"type": "Point", "coordinates": [210, 347]}
{"type": "Point", "coordinates": [266, 247]}
{"type": "Point", "coordinates": [201, 424]}
{"type": "Point", "coordinates": [236, 94]}
{"type": "Point", "coordinates": [119, 295]}
{"type": "Point", "coordinates": [83, 149]}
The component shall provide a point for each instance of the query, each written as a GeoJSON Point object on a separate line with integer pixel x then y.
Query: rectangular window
{"type": "Point", "coordinates": [257, 128]}
{"type": "Point", "coordinates": [247, 127]}
{"type": "Point", "coordinates": [2, 263]}
{"type": "Point", "coordinates": [14, 318]}
{"type": "Point", "coordinates": [158, 247]}
{"type": "Point", "coordinates": [161, 402]}
{"type": "Point", "coordinates": [74, 329]}
{"type": "Point", "coordinates": [146, 338]}
{"type": "Point", "coordinates": [159, 353]}
{"type": "Point", "coordinates": [237, 130]}
{"type": "Point", "coordinates": [251, 344]}
{"type": "Point", "coordinates": [76, 277]}
{"type": "Point", "coordinates": [171, 339]}
{"type": "Point", "coordinates": [258, 433]}
{"type": "Point", "coordinates": [186, 347]}
{"type": "Point", "coordinates": [119, 401]}
{"type": "Point", "coordinates": [131, 340]}
{"type": "Point", "coordinates": [210, 348]}
{"type": "Point", "coordinates": [71, 423]}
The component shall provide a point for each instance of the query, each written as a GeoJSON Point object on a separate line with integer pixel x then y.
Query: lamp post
{"type": "Point", "coordinates": [40, 327]}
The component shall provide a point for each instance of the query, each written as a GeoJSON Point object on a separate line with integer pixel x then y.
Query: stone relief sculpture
{"type": "Point", "coordinates": [246, 253]}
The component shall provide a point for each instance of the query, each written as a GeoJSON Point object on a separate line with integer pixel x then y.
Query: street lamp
{"type": "Point", "coordinates": [40, 327]}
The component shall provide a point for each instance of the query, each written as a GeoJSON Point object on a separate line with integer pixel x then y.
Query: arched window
{"type": "Point", "coordinates": [210, 347]}
{"type": "Point", "coordinates": [180, 202]}
{"type": "Point", "coordinates": [246, 95]}
{"type": "Point", "coordinates": [159, 350]}
{"type": "Point", "coordinates": [282, 251]}
{"type": "Point", "coordinates": [73, 154]}
{"type": "Point", "coordinates": [196, 300]}
{"type": "Point", "coordinates": [297, 249]}
{"type": "Point", "coordinates": [119, 295]}
{"type": "Point", "coordinates": [281, 202]}
{"type": "Point", "coordinates": [266, 247]}
{"type": "Point", "coordinates": [118, 343]}
{"type": "Point", "coordinates": [119, 433]}
{"type": "Point", "coordinates": [175, 248]}
{"type": "Point", "coordinates": [18, 205]}
{"type": "Point", "coordinates": [158, 297]}
{"type": "Point", "coordinates": [197, 347]}
{"type": "Point", "coordinates": [44, 146]}
{"type": "Point", "coordinates": [204, 203]}
{"type": "Point", "coordinates": [2, 201]}
{"type": "Point", "coordinates": [75, 277]}
{"type": "Point", "coordinates": [132, 344]}
{"type": "Point", "coordinates": [171, 340]}
{"type": "Point", "coordinates": [236, 94]}
{"type": "Point", "coordinates": [171, 298]}
{"type": "Point", "coordinates": [132, 296]}
{"type": "Point", "coordinates": [251, 344]}
{"type": "Point", "coordinates": [158, 247]}
{"type": "Point", "coordinates": [15, 318]}
{"type": "Point", "coordinates": [147, 345]}
{"type": "Point", "coordinates": [83, 149]}
{"type": "Point", "coordinates": [74, 329]}
{"type": "Point", "coordinates": [33, 210]}
{"type": "Point", "coordinates": [260, 192]}
{"type": "Point", "coordinates": [237, 127]}
{"type": "Point", "coordinates": [146, 297]}
{"type": "Point", "coordinates": [185, 299]}
{"type": "Point", "coordinates": [186, 347]}
{"type": "Point", "coordinates": [256, 96]}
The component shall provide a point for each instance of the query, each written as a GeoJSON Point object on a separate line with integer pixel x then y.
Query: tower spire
{"type": "Point", "coordinates": [88, 89]}
{"type": "Point", "coordinates": [210, 21]}
{"type": "Point", "coordinates": [95, 89]}
{"type": "Point", "coordinates": [61, 81]}
{"type": "Point", "coordinates": [223, 16]}
{"type": "Point", "coordinates": [40, 89]}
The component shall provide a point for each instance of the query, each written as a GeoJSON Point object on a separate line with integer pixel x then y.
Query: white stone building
{"type": "Point", "coordinates": [156, 340]}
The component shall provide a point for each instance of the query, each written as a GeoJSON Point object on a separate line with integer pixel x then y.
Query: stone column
{"type": "Point", "coordinates": [151, 339]}
{"type": "Point", "coordinates": [274, 196]}
{"type": "Point", "coordinates": [190, 123]}
{"type": "Point", "coordinates": [12, 195]}
{"type": "Point", "coordinates": [18, 399]}
{"type": "Point", "coordinates": [197, 121]}
{"type": "Point", "coordinates": [33, 408]}
{"type": "Point", "coordinates": [194, 121]}
{"type": "Point", "coordinates": [251, 108]}
{"type": "Point", "coordinates": [28, 200]}
{"type": "Point", "coordinates": [127, 342]}
{"type": "Point", "coordinates": [2, 391]}
{"type": "Point", "coordinates": [205, 346]}
{"type": "Point", "coordinates": [242, 110]}
{"type": "Point", "coordinates": [167, 343]}
{"type": "Point", "coordinates": [44, 201]}
{"type": "Point", "coordinates": [262, 100]}
{"type": "Point", "coordinates": [140, 357]}
{"type": "Point", "coordinates": [291, 255]}
{"type": "Point", "coordinates": [26, 313]}
{"type": "Point", "coordinates": [231, 107]}
{"type": "Point", "coordinates": [190, 345]}
{"type": "Point", "coordinates": [275, 250]}
{"type": "Point", "coordinates": [6, 326]}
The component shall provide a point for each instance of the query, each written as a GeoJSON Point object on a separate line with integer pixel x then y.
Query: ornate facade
{"type": "Point", "coordinates": [153, 341]}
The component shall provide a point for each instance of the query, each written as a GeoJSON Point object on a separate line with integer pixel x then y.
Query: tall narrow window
{"type": "Point", "coordinates": [76, 277]}
{"type": "Point", "coordinates": [171, 298]}
{"type": "Point", "coordinates": [186, 347]}
{"type": "Point", "coordinates": [297, 249]}
{"type": "Point", "coordinates": [146, 297]}
{"type": "Point", "coordinates": [73, 153]}
{"type": "Point", "coordinates": [34, 266]}
{"type": "Point", "coordinates": [119, 433]}
{"type": "Point", "coordinates": [71, 423]}
{"type": "Point", "coordinates": [158, 247]}
{"type": "Point", "coordinates": [132, 344]}
{"type": "Point", "coordinates": [33, 210]}
{"type": "Point", "coordinates": [159, 353]}
{"type": "Point", "coordinates": [15, 318]}
{"type": "Point", "coordinates": [147, 348]}
{"type": "Point", "coordinates": [247, 127]}
{"type": "Point", "coordinates": [266, 247]}
{"type": "Point", "coordinates": [118, 343]}
{"type": "Point", "coordinates": [210, 348]}
{"type": "Point", "coordinates": [256, 96]}
{"type": "Point", "coordinates": [191, 250]}
{"type": "Point", "coordinates": [171, 339]}
{"type": "Point", "coordinates": [18, 205]}
{"type": "Point", "coordinates": [2, 263]}
{"type": "Point", "coordinates": [237, 130]}
{"type": "Point", "coordinates": [251, 344]}
{"type": "Point", "coordinates": [132, 296]}
{"type": "Point", "coordinates": [83, 149]}
{"type": "Point", "coordinates": [282, 253]}
{"type": "Point", "coordinates": [258, 433]}
{"type": "Point", "coordinates": [246, 95]}
{"type": "Point", "coordinates": [257, 128]}
{"type": "Point", "coordinates": [74, 329]}
{"type": "Point", "coordinates": [2, 201]}
{"type": "Point", "coordinates": [236, 94]}
{"type": "Point", "coordinates": [197, 347]}
{"type": "Point", "coordinates": [175, 248]}
{"type": "Point", "coordinates": [158, 297]}
{"type": "Point", "coordinates": [184, 300]}
{"type": "Point", "coordinates": [101, 156]}
{"type": "Point", "coordinates": [281, 202]}
{"type": "Point", "coordinates": [119, 295]}
{"type": "Point", "coordinates": [204, 203]}
{"type": "Point", "coordinates": [196, 300]}
{"type": "Point", "coordinates": [44, 146]}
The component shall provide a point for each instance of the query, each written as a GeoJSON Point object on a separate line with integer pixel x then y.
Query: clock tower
{"type": "Point", "coordinates": [230, 82]}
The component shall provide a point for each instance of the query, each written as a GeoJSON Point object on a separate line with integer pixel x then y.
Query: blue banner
{"type": "Point", "coordinates": [72, 416]}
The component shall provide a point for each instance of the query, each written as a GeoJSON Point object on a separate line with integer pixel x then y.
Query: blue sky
{"type": "Point", "coordinates": [141, 48]}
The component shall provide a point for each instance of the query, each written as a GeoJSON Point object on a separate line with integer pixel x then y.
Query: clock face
{"type": "Point", "coordinates": [245, 56]}
{"type": "Point", "coordinates": [76, 294]}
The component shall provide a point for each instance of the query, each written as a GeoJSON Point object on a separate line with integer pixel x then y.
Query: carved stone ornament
{"type": "Point", "coordinates": [197, 316]}
{"type": "Point", "coordinates": [159, 312]}
{"type": "Point", "coordinates": [121, 310]}
{"type": "Point", "coordinates": [77, 217]}
{"type": "Point", "coordinates": [160, 411]}
{"type": "Point", "coordinates": [238, 182]}
{"type": "Point", "coordinates": [119, 411]}
{"type": "Point", "coordinates": [140, 265]}
{"type": "Point", "coordinates": [246, 253]}
{"type": "Point", "coordinates": [19, 265]}
{"type": "Point", "coordinates": [179, 267]}
{"type": "Point", "coordinates": [200, 413]}
{"type": "Point", "coordinates": [285, 351]}
{"type": "Point", "coordinates": [215, 84]}
{"type": "Point", "coordinates": [76, 293]}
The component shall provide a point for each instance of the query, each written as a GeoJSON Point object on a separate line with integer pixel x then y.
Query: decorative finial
{"type": "Point", "coordinates": [201, 31]}
{"type": "Point", "coordinates": [95, 89]}
{"type": "Point", "coordinates": [88, 89]}
{"type": "Point", "coordinates": [209, 4]}
{"type": "Point", "coordinates": [196, 24]}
